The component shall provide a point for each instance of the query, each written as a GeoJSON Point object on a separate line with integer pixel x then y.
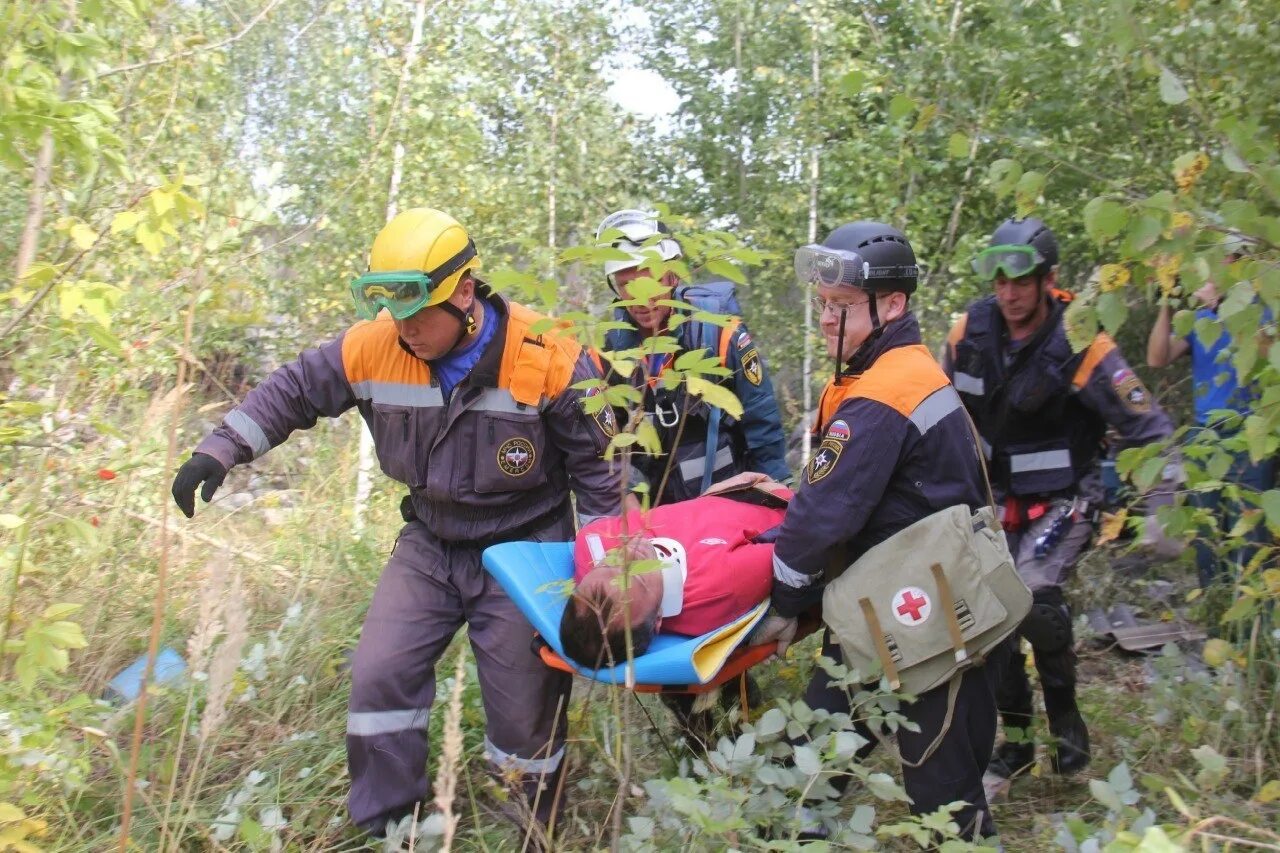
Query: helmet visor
{"type": "Point", "coordinates": [816, 264]}
{"type": "Point", "coordinates": [401, 292]}
{"type": "Point", "coordinates": [1012, 261]}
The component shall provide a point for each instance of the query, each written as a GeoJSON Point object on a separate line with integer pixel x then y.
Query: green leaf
{"type": "Point", "coordinates": [1003, 176]}
{"type": "Point", "coordinates": [60, 610]}
{"type": "Point", "coordinates": [1144, 231]}
{"type": "Point", "coordinates": [1105, 794]}
{"type": "Point", "coordinates": [773, 722]}
{"type": "Point", "coordinates": [958, 146]}
{"type": "Point", "coordinates": [807, 760]}
{"type": "Point", "coordinates": [1104, 218]}
{"type": "Point", "coordinates": [900, 105]}
{"type": "Point", "coordinates": [1270, 502]}
{"type": "Point", "coordinates": [66, 635]}
{"type": "Point", "coordinates": [1183, 321]}
{"type": "Point", "coordinates": [715, 395]}
{"type": "Point", "coordinates": [1233, 161]}
{"type": "Point", "coordinates": [726, 269]}
{"type": "Point", "coordinates": [123, 221]}
{"type": "Point", "coordinates": [1112, 311]}
{"type": "Point", "coordinates": [853, 83]}
{"type": "Point", "coordinates": [1172, 91]}
{"type": "Point", "coordinates": [83, 236]}
{"type": "Point", "coordinates": [1027, 191]}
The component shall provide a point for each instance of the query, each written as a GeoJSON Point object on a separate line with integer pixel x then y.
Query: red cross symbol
{"type": "Point", "coordinates": [912, 605]}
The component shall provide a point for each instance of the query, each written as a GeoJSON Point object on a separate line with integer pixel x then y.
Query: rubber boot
{"type": "Point", "coordinates": [1071, 752]}
{"type": "Point", "coordinates": [1013, 698]}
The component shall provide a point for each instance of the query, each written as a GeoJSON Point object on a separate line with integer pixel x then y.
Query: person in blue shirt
{"type": "Point", "coordinates": [1221, 405]}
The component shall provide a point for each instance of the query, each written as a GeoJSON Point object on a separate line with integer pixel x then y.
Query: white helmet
{"type": "Point", "coordinates": [637, 227]}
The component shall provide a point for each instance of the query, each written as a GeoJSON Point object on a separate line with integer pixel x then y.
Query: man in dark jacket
{"type": "Point", "coordinates": [701, 444]}
{"type": "Point", "coordinates": [478, 417]}
{"type": "Point", "coordinates": [894, 448]}
{"type": "Point", "coordinates": [1042, 410]}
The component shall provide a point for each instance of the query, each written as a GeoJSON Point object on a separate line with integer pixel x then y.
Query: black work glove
{"type": "Point", "coordinates": [200, 468]}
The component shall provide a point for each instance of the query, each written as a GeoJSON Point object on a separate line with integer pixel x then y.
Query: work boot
{"type": "Point", "coordinates": [1070, 752]}
{"type": "Point", "coordinates": [1011, 759]}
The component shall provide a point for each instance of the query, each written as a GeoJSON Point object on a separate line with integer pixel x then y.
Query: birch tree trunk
{"type": "Point", "coordinates": [814, 143]}
{"type": "Point", "coordinates": [364, 470]}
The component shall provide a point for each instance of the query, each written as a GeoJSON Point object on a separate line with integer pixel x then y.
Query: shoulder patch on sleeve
{"type": "Point", "coordinates": [752, 366]}
{"type": "Point", "coordinates": [823, 461]}
{"type": "Point", "coordinates": [1132, 393]}
{"type": "Point", "coordinates": [1101, 347]}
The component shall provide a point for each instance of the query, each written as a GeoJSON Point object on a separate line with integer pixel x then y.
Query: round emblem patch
{"type": "Point", "coordinates": [911, 605]}
{"type": "Point", "coordinates": [1131, 391]}
{"type": "Point", "coordinates": [516, 457]}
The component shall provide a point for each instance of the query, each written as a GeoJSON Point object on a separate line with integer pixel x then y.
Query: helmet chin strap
{"type": "Point", "coordinates": [877, 329]}
{"type": "Point", "coordinates": [466, 321]}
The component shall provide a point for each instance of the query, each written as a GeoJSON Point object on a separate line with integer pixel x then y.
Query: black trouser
{"type": "Point", "coordinates": [954, 770]}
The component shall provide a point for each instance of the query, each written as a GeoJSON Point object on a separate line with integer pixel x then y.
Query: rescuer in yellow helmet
{"type": "Point", "coordinates": [477, 415]}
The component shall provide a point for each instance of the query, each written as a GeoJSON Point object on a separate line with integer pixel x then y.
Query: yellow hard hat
{"type": "Point", "coordinates": [428, 241]}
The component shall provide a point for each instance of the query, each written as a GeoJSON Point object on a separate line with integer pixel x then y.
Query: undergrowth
{"type": "Point", "coordinates": [267, 590]}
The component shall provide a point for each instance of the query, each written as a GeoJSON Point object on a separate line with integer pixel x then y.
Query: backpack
{"type": "Point", "coordinates": [715, 296]}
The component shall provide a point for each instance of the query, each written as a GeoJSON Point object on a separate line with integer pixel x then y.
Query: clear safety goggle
{"type": "Point", "coordinates": [816, 264]}
{"type": "Point", "coordinates": [1012, 261]}
{"type": "Point", "coordinates": [403, 293]}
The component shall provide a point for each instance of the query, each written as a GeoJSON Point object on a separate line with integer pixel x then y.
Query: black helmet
{"type": "Point", "coordinates": [886, 250]}
{"type": "Point", "coordinates": [1029, 232]}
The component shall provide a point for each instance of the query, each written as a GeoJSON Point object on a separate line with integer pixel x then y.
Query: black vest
{"type": "Point", "coordinates": [1042, 439]}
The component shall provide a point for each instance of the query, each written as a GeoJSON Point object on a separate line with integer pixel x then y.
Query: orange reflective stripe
{"type": "Point", "coordinates": [595, 358]}
{"type": "Point", "coordinates": [1101, 347]}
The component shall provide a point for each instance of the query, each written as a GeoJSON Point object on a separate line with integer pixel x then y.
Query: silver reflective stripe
{"type": "Point", "coordinates": [784, 574]}
{"type": "Point", "coordinates": [248, 429]}
{"type": "Point", "coordinates": [369, 723]}
{"type": "Point", "coordinates": [399, 394]}
{"type": "Point", "coordinates": [967, 384]}
{"type": "Point", "coordinates": [935, 407]}
{"type": "Point", "coordinates": [497, 400]}
{"type": "Point", "coordinates": [691, 469]}
{"type": "Point", "coordinates": [524, 765]}
{"type": "Point", "coordinates": [1046, 460]}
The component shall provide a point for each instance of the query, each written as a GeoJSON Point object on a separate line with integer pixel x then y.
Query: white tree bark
{"type": "Point", "coordinates": [364, 470]}
{"type": "Point", "coordinates": [815, 142]}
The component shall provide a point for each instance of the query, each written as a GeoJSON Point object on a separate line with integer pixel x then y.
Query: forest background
{"type": "Point", "coordinates": [189, 186]}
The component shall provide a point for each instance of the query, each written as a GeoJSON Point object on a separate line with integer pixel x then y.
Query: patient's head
{"type": "Point", "coordinates": [593, 628]}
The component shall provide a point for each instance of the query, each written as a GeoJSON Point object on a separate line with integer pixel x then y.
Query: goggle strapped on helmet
{"type": "Point", "coordinates": [818, 264]}
{"type": "Point", "coordinates": [403, 293]}
{"type": "Point", "coordinates": [1014, 261]}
